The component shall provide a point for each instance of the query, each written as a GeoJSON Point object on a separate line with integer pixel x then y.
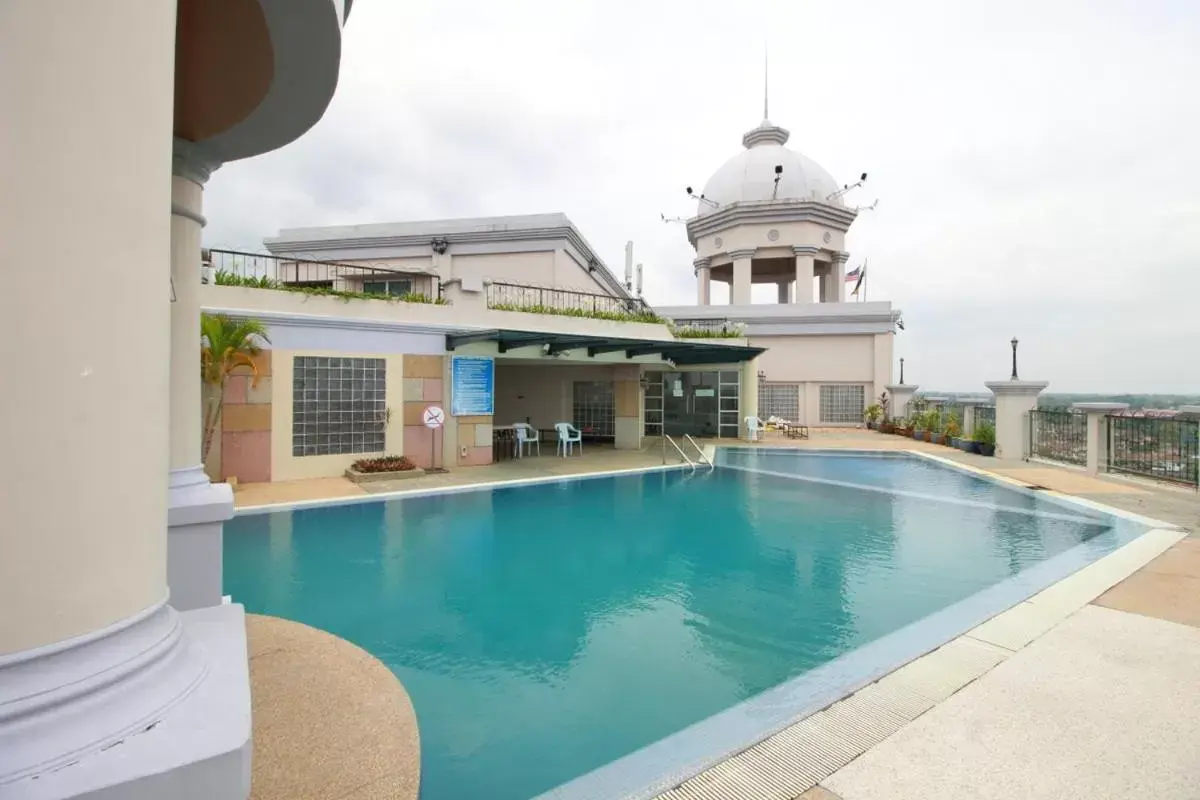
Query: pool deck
{"type": "Point", "coordinates": [1087, 690]}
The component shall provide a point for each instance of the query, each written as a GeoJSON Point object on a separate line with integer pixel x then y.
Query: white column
{"type": "Point", "coordinates": [804, 274]}
{"type": "Point", "coordinates": [90, 652]}
{"type": "Point", "coordinates": [968, 421]}
{"type": "Point", "coordinates": [1014, 401]}
{"type": "Point", "coordinates": [703, 271]}
{"type": "Point", "coordinates": [900, 395]}
{"type": "Point", "coordinates": [784, 288]}
{"type": "Point", "coordinates": [748, 394]}
{"type": "Point", "coordinates": [836, 288]}
{"type": "Point", "coordinates": [196, 507]}
{"type": "Point", "coordinates": [1097, 432]}
{"type": "Point", "coordinates": [740, 293]}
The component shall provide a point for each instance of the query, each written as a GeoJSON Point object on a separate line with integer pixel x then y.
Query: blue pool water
{"type": "Point", "coordinates": [544, 631]}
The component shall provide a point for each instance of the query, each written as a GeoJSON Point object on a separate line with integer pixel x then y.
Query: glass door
{"type": "Point", "coordinates": [690, 403]}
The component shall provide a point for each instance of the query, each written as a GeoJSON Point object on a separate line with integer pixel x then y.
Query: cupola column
{"type": "Point", "coordinates": [703, 272]}
{"type": "Point", "coordinates": [742, 272]}
{"type": "Point", "coordinates": [835, 285]}
{"type": "Point", "coordinates": [804, 274]}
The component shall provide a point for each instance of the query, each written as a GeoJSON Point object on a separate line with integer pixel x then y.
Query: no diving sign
{"type": "Point", "coordinates": [434, 417]}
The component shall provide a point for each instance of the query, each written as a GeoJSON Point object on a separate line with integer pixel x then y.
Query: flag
{"type": "Point", "coordinates": [860, 275]}
{"type": "Point", "coordinates": [853, 274]}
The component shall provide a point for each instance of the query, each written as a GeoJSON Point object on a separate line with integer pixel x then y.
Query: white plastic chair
{"type": "Point", "coordinates": [754, 429]}
{"type": "Point", "coordinates": [527, 435]}
{"type": "Point", "coordinates": [568, 437]}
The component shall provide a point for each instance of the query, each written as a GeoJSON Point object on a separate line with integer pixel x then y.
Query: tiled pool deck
{"type": "Point", "coordinates": [1082, 691]}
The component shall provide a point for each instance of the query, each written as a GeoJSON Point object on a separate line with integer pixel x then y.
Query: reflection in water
{"type": "Point", "coordinates": [544, 631]}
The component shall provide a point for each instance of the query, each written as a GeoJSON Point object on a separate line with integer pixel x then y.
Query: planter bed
{"type": "Point", "coordinates": [393, 475]}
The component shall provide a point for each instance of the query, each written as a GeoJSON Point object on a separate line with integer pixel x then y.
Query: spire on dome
{"type": "Point", "coordinates": [766, 132]}
{"type": "Point", "coordinates": [766, 79]}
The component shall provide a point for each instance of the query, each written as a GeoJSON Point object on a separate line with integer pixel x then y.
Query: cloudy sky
{"type": "Point", "coordinates": [1037, 164]}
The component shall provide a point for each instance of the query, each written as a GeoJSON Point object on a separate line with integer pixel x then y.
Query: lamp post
{"type": "Point", "coordinates": [901, 371]}
{"type": "Point", "coordinates": [1014, 347]}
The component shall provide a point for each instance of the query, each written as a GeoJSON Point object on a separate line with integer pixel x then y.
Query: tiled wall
{"type": "Point", "coordinates": [244, 448]}
{"type": "Point", "coordinates": [423, 387]}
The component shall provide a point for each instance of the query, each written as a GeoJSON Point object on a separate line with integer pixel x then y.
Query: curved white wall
{"type": "Point", "coordinates": [85, 195]}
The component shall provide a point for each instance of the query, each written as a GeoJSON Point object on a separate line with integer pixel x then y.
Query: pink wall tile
{"type": "Point", "coordinates": [236, 388]}
{"type": "Point", "coordinates": [476, 457]}
{"type": "Point", "coordinates": [432, 389]}
{"type": "Point", "coordinates": [417, 439]}
{"type": "Point", "coordinates": [246, 454]}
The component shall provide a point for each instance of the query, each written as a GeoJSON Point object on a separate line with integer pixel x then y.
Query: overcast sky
{"type": "Point", "coordinates": [1037, 164]}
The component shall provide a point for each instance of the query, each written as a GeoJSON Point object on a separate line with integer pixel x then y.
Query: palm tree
{"type": "Point", "coordinates": [225, 344]}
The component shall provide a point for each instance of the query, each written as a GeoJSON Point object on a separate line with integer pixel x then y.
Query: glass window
{"type": "Point", "coordinates": [396, 288]}
{"type": "Point", "coordinates": [593, 409]}
{"type": "Point", "coordinates": [780, 400]}
{"type": "Point", "coordinates": [339, 405]}
{"type": "Point", "coordinates": [842, 404]}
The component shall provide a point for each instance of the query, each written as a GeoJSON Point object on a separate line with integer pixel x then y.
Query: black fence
{"type": "Point", "coordinates": [1163, 449]}
{"type": "Point", "coordinates": [1058, 436]}
{"type": "Point", "coordinates": [546, 300]}
{"type": "Point", "coordinates": [235, 268]}
{"type": "Point", "coordinates": [984, 414]}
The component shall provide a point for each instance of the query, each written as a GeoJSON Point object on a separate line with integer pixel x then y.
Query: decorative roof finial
{"type": "Point", "coordinates": [766, 77]}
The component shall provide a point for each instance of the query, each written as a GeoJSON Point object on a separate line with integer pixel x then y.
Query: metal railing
{"type": "Point", "coordinates": [1163, 449]}
{"type": "Point", "coordinates": [1058, 436]}
{"type": "Point", "coordinates": [704, 459]}
{"type": "Point", "coordinates": [678, 449]}
{"type": "Point", "coordinates": [236, 268]}
{"type": "Point", "coordinates": [985, 414]}
{"type": "Point", "coordinates": [548, 300]}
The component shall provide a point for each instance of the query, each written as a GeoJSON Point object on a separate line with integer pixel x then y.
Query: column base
{"type": "Point", "coordinates": [155, 706]}
{"type": "Point", "coordinates": [196, 512]}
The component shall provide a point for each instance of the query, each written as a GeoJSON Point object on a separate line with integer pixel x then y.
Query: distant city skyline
{"type": "Point", "coordinates": [1036, 168]}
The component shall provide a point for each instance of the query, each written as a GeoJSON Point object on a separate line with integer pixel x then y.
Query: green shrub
{"type": "Point", "coordinates": [985, 433]}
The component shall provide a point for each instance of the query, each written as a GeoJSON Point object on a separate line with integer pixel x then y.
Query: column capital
{"type": "Point", "coordinates": [192, 161]}
{"type": "Point", "coordinates": [841, 257]}
{"type": "Point", "coordinates": [805, 250]}
{"type": "Point", "coordinates": [742, 253]}
{"type": "Point", "coordinates": [701, 263]}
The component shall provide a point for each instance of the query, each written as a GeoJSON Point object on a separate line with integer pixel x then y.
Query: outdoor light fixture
{"type": "Point", "coordinates": [901, 371]}
{"type": "Point", "coordinates": [1014, 347]}
{"type": "Point", "coordinates": [440, 244]}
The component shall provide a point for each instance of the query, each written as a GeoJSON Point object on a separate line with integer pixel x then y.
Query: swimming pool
{"type": "Point", "coordinates": [545, 631]}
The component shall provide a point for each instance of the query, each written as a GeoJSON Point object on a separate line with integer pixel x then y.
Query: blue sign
{"type": "Point", "coordinates": [472, 386]}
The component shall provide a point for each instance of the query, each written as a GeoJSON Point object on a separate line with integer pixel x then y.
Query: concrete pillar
{"type": "Point", "coordinates": [784, 288]}
{"type": "Point", "coordinates": [1097, 432]}
{"type": "Point", "coordinates": [747, 394]}
{"type": "Point", "coordinates": [1014, 401]}
{"type": "Point", "coordinates": [804, 274]}
{"type": "Point", "coordinates": [742, 272]}
{"type": "Point", "coordinates": [968, 421]}
{"type": "Point", "coordinates": [837, 278]}
{"type": "Point", "coordinates": [196, 507]}
{"type": "Point", "coordinates": [900, 395]}
{"type": "Point", "coordinates": [90, 652]}
{"type": "Point", "coordinates": [627, 411]}
{"type": "Point", "coordinates": [703, 269]}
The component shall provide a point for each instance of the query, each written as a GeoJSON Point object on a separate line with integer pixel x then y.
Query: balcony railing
{"type": "Point", "coordinates": [567, 302]}
{"type": "Point", "coordinates": [1163, 449]}
{"type": "Point", "coordinates": [1058, 436]}
{"type": "Point", "coordinates": [256, 270]}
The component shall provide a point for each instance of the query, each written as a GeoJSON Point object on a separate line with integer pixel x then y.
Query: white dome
{"type": "Point", "coordinates": [750, 175]}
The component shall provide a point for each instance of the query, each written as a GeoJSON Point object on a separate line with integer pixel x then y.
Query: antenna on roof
{"type": "Point", "coordinates": [665, 218]}
{"type": "Point", "coordinates": [848, 187]}
{"type": "Point", "coordinates": [629, 265]}
{"type": "Point", "coordinates": [702, 198]}
{"type": "Point", "coordinates": [867, 208]}
{"type": "Point", "coordinates": [639, 280]}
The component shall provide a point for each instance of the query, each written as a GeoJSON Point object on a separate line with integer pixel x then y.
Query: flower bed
{"type": "Point", "coordinates": [383, 468]}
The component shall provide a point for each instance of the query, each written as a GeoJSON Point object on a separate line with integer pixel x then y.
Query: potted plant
{"type": "Point", "coordinates": [950, 437]}
{"type": "Point", "coordinates": [985, 437]}
{"type": "Point", "coordinates": [872, 414]}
